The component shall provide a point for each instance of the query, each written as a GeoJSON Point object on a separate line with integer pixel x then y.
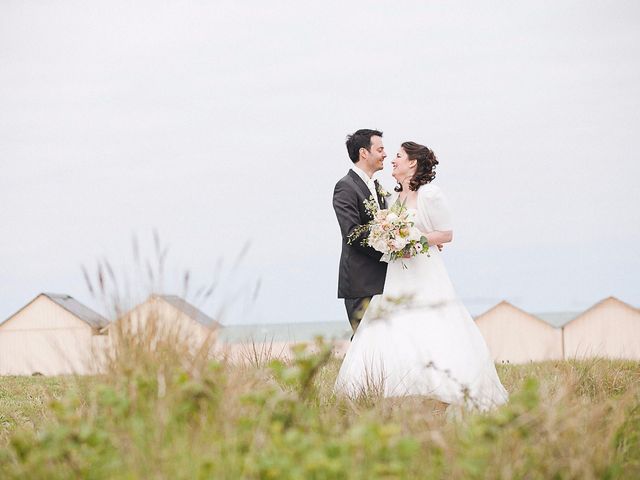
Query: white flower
{"type": "Point", "coordinates": [399, 243]}
{"type": "Point", "coordinates": [380, 245]}
{"type": "Point", "coordinates": [414, 235]}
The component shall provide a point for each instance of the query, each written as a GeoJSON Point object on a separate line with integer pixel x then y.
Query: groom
{"type": "Point", "coordinates": [361, 272]}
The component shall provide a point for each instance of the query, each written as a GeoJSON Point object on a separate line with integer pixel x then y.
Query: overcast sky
{"type": "Point", "coordinates": [220, 122]}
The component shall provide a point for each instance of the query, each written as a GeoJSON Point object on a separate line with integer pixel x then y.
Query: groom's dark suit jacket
{"type": "Point", "coordinates": [361, 271]}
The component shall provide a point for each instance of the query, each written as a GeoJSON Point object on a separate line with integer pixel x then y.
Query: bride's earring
{"type": "Point", "coordinates": [398, 188]}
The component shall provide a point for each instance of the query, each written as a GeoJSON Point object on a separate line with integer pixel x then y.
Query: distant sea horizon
{"type": "Point", "coordinates": [329, 330]}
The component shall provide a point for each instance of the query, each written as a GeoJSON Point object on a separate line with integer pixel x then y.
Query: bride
{"type": "Point", "coordinates": [417, 338]}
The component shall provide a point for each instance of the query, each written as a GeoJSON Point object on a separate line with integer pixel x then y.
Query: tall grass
{"type": "Point", "coordinates": [163, 409]}
{"type": "Point", "coordinates": [169, 418]}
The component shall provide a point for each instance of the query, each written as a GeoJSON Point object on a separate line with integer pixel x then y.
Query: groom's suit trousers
{"type": "Point", "coordinates": [355, 310]}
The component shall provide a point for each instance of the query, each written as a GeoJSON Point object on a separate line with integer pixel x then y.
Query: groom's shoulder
{"type": "Point", "coordinates": [345, 181]}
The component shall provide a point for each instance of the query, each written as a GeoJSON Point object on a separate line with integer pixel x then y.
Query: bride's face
{"type": "Point", "coordinates": [402, 166]}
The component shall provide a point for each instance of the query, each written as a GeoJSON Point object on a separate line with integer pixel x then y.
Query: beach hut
{"type": "Point", "coordinates": [610, 328]}
{"type": "Point", "coordinates": [168, 317]}
{"type": "Point", "coordinates": [515, 336]}
{"type": "Point", "coordinates": [53, 334]}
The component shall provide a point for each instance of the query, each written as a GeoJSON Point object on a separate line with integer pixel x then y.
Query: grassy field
{"type": "Point", "coordinates": [157, 415]}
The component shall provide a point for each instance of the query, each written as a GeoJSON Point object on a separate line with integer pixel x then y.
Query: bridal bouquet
{"type": "Point", "coordinates": [392, 232]}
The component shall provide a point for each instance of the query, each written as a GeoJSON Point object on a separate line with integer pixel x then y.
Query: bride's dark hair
{"type": "Point", "coordinates": [426, 166]}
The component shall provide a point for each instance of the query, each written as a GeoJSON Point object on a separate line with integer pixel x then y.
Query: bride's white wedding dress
{"type": "Point", "coordinates": [417, 338]}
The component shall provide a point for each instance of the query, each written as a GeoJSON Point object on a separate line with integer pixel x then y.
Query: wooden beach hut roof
{"type": "Point", "coordinates": [188, 309]}
{"type": "Point", "coordinates": [505, 304]}
{"type": "Point", "coordinates": [552, 319]}
{"type": "Point", "coordinates": [610, 300]}
{"type": "Point", "coordinates": [70, 304]}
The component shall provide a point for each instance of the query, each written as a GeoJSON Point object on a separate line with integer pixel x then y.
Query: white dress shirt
{"type": "Point", "coordinates": [368, 181]}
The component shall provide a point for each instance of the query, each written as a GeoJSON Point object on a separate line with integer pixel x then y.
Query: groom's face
{"type": "Point", "coordinates": [375, 157]}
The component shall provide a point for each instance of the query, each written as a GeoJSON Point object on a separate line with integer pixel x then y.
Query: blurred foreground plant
{"type": "Point", "coordinates": [169, 407]}
{"type": "Point", "coordinates": [282, 421]}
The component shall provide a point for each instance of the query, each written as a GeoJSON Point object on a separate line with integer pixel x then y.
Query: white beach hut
{"type": "Point", "coordinates": [515, 336]}
{"type": "Point", "coordinates": [610, 328]}
{"type": "Point", "coordinates": [167, 316]}
{"type": "Point", "coordinates": [52, 335]}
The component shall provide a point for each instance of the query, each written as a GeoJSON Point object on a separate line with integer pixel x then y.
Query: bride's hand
{"type": "Point", "coordinates": [439, 238]}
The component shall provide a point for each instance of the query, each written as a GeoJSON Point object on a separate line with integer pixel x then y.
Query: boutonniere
{"type": "Point", "coordinates": [381, 191]}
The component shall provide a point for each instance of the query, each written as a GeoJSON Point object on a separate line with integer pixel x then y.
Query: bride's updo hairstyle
{"type": "Point", "coordinates": [426, 166]}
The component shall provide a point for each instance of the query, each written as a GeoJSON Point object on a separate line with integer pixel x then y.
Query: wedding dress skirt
{"type": "Point", "coordinates": [417, 338]}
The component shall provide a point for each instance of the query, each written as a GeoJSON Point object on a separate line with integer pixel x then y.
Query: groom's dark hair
{"type": "Point", "coordinates": [358, 140]}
